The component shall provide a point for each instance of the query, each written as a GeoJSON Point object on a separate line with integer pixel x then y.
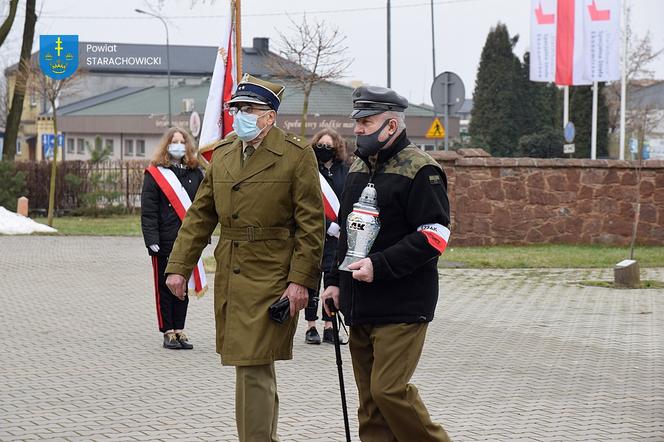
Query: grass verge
{"type": "Point", "coordinates": [121, 225]}
{"type": "Point", "coordinates": [549, 256]}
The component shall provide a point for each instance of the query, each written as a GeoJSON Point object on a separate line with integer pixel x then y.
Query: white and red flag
{"type": "Point", "coordinates": [543, 40]}
{"type": "Point", "coordinates": [179, 198]}
{"type": "Point", "coordinates": [574, 42]}
{"type": "Point", "coordinates": [217, 122]}
{"type": "Point", "coordinates": [601, 42]}
{"type": "Point", "coordinates": [569, 44]}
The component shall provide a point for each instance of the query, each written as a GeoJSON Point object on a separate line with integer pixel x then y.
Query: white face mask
{"type": "Point", "coordinates": [176, 150]}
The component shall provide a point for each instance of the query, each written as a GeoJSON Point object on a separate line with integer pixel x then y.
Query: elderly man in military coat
{"type": "Point", "coordinates": [262, 188]}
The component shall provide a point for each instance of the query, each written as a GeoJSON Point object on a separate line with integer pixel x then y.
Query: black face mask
{"type": "Point", "coordinates": [368, 145]}
{"type": "Point", "coordinates": [324, 155]}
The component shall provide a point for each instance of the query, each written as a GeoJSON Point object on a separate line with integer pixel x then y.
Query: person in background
{"type": "Point", "coordinates": [175, 157]}
{"type": "Point", "coordinates": [330, 150]}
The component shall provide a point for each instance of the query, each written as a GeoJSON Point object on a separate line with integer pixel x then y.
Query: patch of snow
{"type": "Point", "coordinates": [14, 224]}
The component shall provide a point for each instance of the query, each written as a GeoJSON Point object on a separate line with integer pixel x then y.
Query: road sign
{"type": "Point", "coordinates": [569, 148]}
{"type": "Point", "coordinates": [436, 131]}
{"type": "Point", "coordinates": [48, 144]}
{"type": "Point", "coordinates": [447, 96]}
{"type": "Point", "coordinates": [195, 124]}
{"type": "Point", "coordinates": [447, 88]}
{"type": "Point", "coordinates": [569, 132]}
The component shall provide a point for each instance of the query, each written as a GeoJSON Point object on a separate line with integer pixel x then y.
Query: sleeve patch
{"type": "Point", "coordinates": [435, 179]}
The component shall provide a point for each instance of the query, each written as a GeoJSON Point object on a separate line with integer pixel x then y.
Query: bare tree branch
{"type": "Point", "coordinates": [310, 54]}
{"type": "Point", "coordinates": [640, 56]}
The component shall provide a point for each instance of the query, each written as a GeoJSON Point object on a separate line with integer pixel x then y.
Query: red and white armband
{"type": "Point", "coordinates": [437, 235]}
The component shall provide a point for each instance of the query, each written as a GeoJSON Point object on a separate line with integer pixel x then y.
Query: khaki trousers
{"type": "Point", "coordinates": [256, 403]}
{"type": "Point", "coordinates": [384, 359]}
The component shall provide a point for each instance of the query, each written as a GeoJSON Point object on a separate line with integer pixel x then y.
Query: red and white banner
{"type": "Point", "coordinates": [601, 42]}
{"type": "Point", "coordinates": [569, 44]}
{"type": "Point", "coordinates": [179, 199]}
{"type": "Point", "coordinates": [574, 42]}
{"type": "Point", "coordinates": [437, 235]}
{"type": "Point", "coordinates": [217, 122]}
{"type": "Point", "coordinates": [330, 200]}
{"type": "Point", "coordinates": [543, 40]}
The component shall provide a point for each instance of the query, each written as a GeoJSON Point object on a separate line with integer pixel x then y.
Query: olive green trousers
{"type": "Point", "coordinates": [256, 403]}
{"type": "Point", "coordinates": [384, 358]}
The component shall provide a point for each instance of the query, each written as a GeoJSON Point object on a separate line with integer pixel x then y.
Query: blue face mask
{"type": "Point", "coordinates": [245, 125]}
{"type": "Point", "coordinates": [177, 150]}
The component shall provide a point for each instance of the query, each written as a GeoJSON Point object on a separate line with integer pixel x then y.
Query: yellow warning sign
{"type": "Point", "coordinates": [436, 130]}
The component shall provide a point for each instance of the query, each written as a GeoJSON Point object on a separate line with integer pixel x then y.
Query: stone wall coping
{"type": "Point", "coordinates": [441, 155]}
{"type": "Point", "coordinates": [552, 163]}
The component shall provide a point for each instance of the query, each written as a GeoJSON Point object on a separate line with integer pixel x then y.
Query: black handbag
{"type": "Point", "coordinates": [279, 312]}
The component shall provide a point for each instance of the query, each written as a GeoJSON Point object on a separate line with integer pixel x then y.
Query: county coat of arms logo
{"type": "Point", "coordinates": [58, 55]}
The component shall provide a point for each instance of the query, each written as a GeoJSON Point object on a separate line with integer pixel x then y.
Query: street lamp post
{"type": "Point", "coordinates": [168, 61]}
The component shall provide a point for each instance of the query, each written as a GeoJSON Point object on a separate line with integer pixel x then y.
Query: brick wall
{"type": "Point", "coordinates": [528, 200]}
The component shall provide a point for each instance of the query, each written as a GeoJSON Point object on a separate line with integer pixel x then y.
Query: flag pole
{"type": "Point", "coordinates": [623, 84]}
{"type": "Point", "coordinates": [238, 39]}
{"type": "Point", "coordinates": [565, 105]}
{"type": "Point", "coordinates": [593, 136]}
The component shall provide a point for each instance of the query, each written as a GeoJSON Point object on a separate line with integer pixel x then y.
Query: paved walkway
{"type": "Point", "coordinates": [512, 355]}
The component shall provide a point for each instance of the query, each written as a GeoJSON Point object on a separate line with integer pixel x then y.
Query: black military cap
{"type": "Point", "coordinates": [372, 100]}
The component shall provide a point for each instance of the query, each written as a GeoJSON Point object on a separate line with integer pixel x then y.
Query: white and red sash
{"type": "Point", "coordinates": [179, 199]}
{"type": "Point", "coordinates": [330, 200]}
{"type": "Point", "coordinates": [437, 235]}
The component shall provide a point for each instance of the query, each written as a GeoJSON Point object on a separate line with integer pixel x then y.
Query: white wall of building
{"type": "Point", "coordinates": [124, 146]}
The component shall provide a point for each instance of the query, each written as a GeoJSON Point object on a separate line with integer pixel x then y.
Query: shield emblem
{"type": "Point", "coordinates": [58, 55]}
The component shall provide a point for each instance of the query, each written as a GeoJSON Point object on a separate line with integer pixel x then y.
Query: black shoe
{"type": "Point", "coordinates": [184, 341]}
{"type": "Point", "coordinates": [171, 341]}
{"type": "Point", "coordinates": [312, 336]}
{"type": "Point", "coordinates": [328, 337]}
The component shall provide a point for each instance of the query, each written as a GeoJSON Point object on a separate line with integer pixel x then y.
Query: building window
{"type": "Point", "coordinates": [129, 148]}
{"type": "Point", "coordinates": [70, 145]}
{"type": "Point", "coordinates": [33, 98]}
{"type": "Point", "coordinates": [110, 145]}
{"type": "Point", "coordinates": [80, 146]}
{"type": "Point", "coordinates": [18, 147]}
{"type": "Point", "coordinates": [140, 148]}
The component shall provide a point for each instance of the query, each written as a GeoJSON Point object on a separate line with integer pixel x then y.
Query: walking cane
{"type": "Point", "coordinates": [337, 351]}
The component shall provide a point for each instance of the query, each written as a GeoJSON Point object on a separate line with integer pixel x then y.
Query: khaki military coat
{"type": "Point", "coordinates": [271, 220]}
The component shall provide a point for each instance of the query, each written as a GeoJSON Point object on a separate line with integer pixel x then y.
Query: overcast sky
{"type": "Point", "coordinates": [461, 27]}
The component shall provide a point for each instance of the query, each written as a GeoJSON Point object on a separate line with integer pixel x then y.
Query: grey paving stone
{"type": "Point", "coordinates": [511, 355]}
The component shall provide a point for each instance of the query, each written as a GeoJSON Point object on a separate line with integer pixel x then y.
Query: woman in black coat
{"type": "Point", "coordinates": [160, 224]}
{"type": "Point", "coordinates": [330, 151]}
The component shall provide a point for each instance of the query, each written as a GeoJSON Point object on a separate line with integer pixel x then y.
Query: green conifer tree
{"type": "Point", "coordinates": [497, 113]}
{"type": "Point", "coordinates": [581, 111]}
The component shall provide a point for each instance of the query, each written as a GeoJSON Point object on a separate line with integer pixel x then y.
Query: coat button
{"type": "Point", "coordinates": [236, 187]}
{"type": "Point", "coordinates": [236, 243]}
{"type": "Point", "coordinates": [235, 216]}
{"type": "Point", "coordinates": [236, 270]}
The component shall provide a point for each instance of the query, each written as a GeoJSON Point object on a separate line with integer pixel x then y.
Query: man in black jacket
{"type": "Point", "coordinates": [390, 296]}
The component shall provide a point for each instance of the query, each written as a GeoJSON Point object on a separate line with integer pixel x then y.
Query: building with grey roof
{"type": "Point", "coordinates": [120, 94]}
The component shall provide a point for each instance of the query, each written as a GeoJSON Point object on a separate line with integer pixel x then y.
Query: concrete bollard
{"type": "Point", "coordinates": [626, 274]}
{"type": "Point", "coordinates": [22, 206]}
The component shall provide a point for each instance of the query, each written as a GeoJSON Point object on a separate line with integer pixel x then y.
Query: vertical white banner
{"type": "Point", "coordinates": [211, 129]}
{"type": "Point", "coordinates": [601, 40]}
{"type": "Point", "coordinates": [543, 40]}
